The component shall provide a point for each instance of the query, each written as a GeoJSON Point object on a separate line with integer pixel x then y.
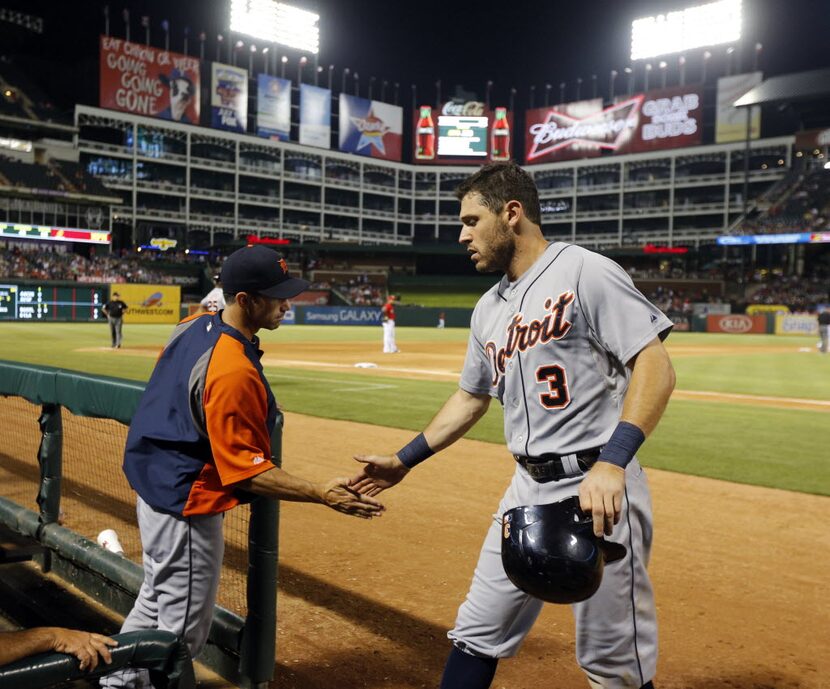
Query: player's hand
{"type": "Point", "coordinates": [379, 473]}
{"type": "Point", "coordinates": [87, 647]}
{"type": "Point", "coordinates": [601, 494]}
{"type": "Point", "coordinates": [339, 496]}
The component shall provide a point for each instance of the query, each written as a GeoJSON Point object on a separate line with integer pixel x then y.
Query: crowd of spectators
{"type": "Point", "coordinates": [56, 265]}
{"type": "Point", "coordinates": [670, 300]}
{"type": "Point", "coordinates": [362, 294]}
{"type": "Point", "coordinates": [799, 293]}
{"type": "Point", "coordinates": [806, 208]}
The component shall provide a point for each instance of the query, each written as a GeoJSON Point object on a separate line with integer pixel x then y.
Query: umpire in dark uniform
{"type": "Point", "coordinates": [114, 311]}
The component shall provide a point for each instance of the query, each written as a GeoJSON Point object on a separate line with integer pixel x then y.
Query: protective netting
{"type": "Point", "coordinates": [95, 494]}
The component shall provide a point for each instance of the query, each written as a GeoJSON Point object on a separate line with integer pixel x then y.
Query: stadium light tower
{"type": "Point", "coordinates": [276, 22]}
{"type": "Point", "coordinates": [699, 26]}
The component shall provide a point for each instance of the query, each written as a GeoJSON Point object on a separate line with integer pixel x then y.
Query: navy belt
{"type": "Point", "coordinates": [551, 467]}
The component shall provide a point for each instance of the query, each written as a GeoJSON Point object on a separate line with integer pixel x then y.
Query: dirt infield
{"type": "Point", "coordinates": [739, 574]}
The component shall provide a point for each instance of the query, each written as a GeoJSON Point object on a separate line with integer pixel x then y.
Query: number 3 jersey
{"type": "Point", "coordinates": [552, 347]}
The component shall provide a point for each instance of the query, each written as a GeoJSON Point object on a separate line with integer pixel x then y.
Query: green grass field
{"type": "Point", "coordinates": [440, 298]}
{"type": "Point", "coordinates": [761, 445]}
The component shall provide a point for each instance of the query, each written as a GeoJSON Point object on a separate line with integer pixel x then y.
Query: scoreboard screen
{"type": "Point", "coordinates": [47, 303]}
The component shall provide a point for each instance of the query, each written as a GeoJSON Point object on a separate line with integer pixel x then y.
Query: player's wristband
{"type": "Point", "coordinates": [623, 445]}
{"type": "Point", "coordinates": [414, 452]}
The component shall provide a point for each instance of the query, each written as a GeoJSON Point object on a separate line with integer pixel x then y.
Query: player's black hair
{"type": "Point", "coordinates": [498, 183]}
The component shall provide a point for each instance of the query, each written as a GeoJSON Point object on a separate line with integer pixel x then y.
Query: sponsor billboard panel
{"type": "Point", "coordinates": [150, 303]}
{"type": "Point", "coordinates": [572, 130]}
{"type": "Point", "coordinates": [730, 123]}
{"type": "Point", "coordinates": [655, 120]}
{"type": "Point", "coordinates": [668, 118]}
{"type": "Point", "coordinates": [461, 134]}
{"type": "Point", "coordinates": [796, 324]}
{"type": "Point", "coordinates": [339, 315]}
{"type": "Point", "coordinates": [147, 81]}
{"type": "Point", "coordinates": [315, 116]}
{"type": "Point", "coordinates": [736, 323]}
{"type": "Point", "coordinates": [370, 128]}
{"type": "Point", "coordinates": [228, 97]}
{"type": "Point", "coordinates": [273, 107]}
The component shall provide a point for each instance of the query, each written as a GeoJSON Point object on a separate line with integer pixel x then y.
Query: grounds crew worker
{"type": "Point", "coordinates": [199, 444]}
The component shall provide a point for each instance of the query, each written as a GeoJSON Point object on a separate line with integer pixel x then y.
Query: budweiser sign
{"type": "Point", "coordinates": [609, 129]}
{"type": "Point", "coordinates": [665, 118]}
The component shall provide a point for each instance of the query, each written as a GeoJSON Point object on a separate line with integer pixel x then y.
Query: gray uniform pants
{"type": "Point", "coordinates": [616, 629]}
{"type": "Point", "coordinates": [115, 329]}
{"type": "Point", "coordinates": [182, 562]}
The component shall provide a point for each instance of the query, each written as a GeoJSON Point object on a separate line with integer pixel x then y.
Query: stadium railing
{"type": "Point", "coordinates": [63, 439]}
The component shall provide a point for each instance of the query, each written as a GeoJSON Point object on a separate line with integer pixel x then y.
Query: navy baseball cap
{"type": "Point", "coordinates": [261, 270]}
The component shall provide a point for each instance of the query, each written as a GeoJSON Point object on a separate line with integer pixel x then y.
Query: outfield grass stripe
{"type": "Point", "coordinates": [765, 400]}
{"type": "Point", "coordinates": [338, 382]}
{"type": "Point", "coordinates": [305, 363]}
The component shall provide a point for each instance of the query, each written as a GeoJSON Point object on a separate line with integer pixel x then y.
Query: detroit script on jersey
{"type": "Point", "coordinates": [553, 345]}
{"type": "Point", "coordinates": [522, 336]}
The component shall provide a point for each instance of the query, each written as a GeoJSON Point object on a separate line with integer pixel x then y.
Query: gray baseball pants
{"type": "Point", "coordinates": [182, 563]}
{"type": "Point", "coordinates": [616, 629]}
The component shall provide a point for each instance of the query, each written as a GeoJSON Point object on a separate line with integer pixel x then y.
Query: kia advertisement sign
{"type": "Point", "coordinates": [736, 324]}
{"type": "Point", "coordinates": [147, 81]}
{"type": "Point", "coordinates": [457, 133]}
{"type": "Point", "coordinates": [370, 128]}
{"type": "Point", "coordinates": [656, 120]}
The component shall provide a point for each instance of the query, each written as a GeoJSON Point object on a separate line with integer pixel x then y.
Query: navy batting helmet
{"type": "Point", "coordinates": [550, 551]}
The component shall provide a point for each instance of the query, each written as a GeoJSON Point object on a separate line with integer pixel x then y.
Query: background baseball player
{"type": "Point", "coordinates": [213, 301]}
{"type": "Point", "coordinates": [573, 352]}
{"type": "Point", "coordinates": [388, 322]}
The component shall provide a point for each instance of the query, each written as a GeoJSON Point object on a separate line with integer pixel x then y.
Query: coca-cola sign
{"type": "Point", "coordinates": [469, 109]}
{"type": "Point", "coordinates": [667, 118]}
{"type": "Point", "coordinates": [461, 133]}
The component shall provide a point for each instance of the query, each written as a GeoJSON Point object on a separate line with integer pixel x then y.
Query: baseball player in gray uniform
{"type": "Point", "coordinates": [573, 352]}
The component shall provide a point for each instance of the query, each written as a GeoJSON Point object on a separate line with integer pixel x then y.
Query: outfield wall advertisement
{"type": "Point", "coordinates": [338, 315]}
{"type": "Point", "coordinates": [147, 81]}
{"type": "Point", "coordinates": [737, 324]}
{"type": "Point", "coordinates": [150, 303]}
{"type": "Point", "coordinates": [796, 324]}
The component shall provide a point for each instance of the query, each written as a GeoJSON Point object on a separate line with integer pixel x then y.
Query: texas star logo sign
{"type": "Point", "coordinates": [371, 129]}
